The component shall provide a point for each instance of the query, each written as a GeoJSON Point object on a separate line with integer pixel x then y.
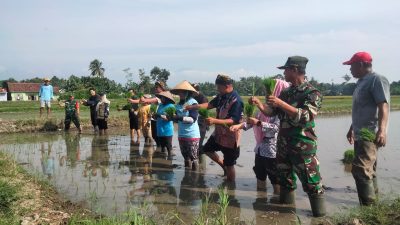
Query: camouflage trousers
{"type": "Point", "coordinates": [292, 162]}
{"type": "Point", "coordinates": [74, 119]}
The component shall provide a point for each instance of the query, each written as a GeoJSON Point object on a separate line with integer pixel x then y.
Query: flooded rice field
{"type": "Point", "coordinates": [111, 174]}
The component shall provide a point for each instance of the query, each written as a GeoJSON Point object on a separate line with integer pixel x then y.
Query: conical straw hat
{"type": "Point", "coordinates": [183, 86]}
{"type": "Point", "coordinates": [166, 94]}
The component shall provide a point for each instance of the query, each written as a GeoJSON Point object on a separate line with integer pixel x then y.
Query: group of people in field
{"type": "Point", "coordinates": [284, 127]}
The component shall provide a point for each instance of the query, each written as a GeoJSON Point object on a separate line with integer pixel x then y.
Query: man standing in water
{"type": "Point", "coordinates": [229, 108]}
{"type": "Point", "coordinates": [92, 102]}
{"type": "Point", "coordinates": [46, 95]}
{"type": "Point", "coordinates": [371, 99]}
{"type": "Point", "coordinates": [297, 108]}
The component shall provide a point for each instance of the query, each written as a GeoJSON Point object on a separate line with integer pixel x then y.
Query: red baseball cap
{"type": "Point", "coordinates": [359, 57]}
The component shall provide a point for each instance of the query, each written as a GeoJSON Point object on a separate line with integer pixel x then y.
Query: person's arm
{"type": "Point", "coordinates": [300, 116]}
{"type": "Point", "coordinates": [134, 101]}
{"type": "Point", "coordinates": [77, 107]}
{"type": "Point", "coordinates": [239, 126]}
{"type": "Point", "coordinates": [234, 116]}
{"type": "Point", "coordinates": [40, 91]}
{"type": "Point", "coordinates": [264, 109]}
{"type": "Point", "coordinates": [191, 118]}
{"type": "Point", "coordinates": [383, 115]}
{"type": "Point", "coordinates": [51, 92]}
{"type": "Point", "coordinates": [350, 135]}
{"type": "Point", "coordinates": [149, 100]}
{"type": "Point", "coordinates": [205, 105]}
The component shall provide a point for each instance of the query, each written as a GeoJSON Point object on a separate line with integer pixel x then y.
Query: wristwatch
{"type": "Point", "coordinates": [259, 123]}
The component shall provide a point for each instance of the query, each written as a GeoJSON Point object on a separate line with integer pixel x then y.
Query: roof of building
{"type": "Point", "coordinates": [27, 87]}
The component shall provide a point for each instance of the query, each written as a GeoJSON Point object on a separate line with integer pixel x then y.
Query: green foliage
{"type": "Point", "coordinates": [96, 68]}
{"type": "Point", "coordinates": [170, 112]}
{"type": "Point", "coordinates": [8, 195]}
{"type": "Point", "coordinates": [153, 108]}
{"type": "Point", "coordinates": [269, 85]}
{"type": "Point", "coordinates": [249, 109]}
{"type": "Point", "coordinates": [367, 135]}
{"type": "Point", "coordinates": [348, 156]}
{"type": "Point", "coordinates": [204, 113]}
{"type": "Point", "coordinates": [385, 212]}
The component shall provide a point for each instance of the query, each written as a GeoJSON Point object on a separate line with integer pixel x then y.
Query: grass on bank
{"type": "Point", "coordinates": [384, 212]}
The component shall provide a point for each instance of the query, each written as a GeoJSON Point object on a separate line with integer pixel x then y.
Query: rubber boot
{"type": "Point", "coordinates": [366, 192]}
{"type": "Point", "coordinates": [287, 196]}
{"type": "Point", "coordinates": [277, 189]}
{"type": "Point", "coordinates": [317, 202]}
{"type": "Point", "coordinates": [375, 182]}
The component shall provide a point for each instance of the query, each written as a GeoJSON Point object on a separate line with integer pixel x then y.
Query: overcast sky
{"type": "Point", "coordinates": [195, 40]}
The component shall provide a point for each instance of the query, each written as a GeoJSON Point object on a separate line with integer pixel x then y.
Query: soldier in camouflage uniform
{"type": "Point", "coordinates": [297, 107]}
{"type": "Point", "coordinates": [72, 113]}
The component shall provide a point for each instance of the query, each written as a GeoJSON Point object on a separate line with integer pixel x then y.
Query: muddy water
{"type": "Point", "coordinates": [111, 174]}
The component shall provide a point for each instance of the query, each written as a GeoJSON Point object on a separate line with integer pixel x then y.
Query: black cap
{"type": "Point", "coordinates": [102, 94]}
{"type": "Point", "coordinates": [223, 79]}
{"type": "Point", "coordinates": [295, 61]}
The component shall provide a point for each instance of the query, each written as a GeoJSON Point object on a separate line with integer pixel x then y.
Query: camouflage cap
{"type": "Point", "coordinates": [223, 79]}
{"type": "Point", "coordinates": [295, 61]}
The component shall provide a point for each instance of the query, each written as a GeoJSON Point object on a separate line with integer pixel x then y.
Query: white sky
{"type": "Point", "coordinates": [195, 40]}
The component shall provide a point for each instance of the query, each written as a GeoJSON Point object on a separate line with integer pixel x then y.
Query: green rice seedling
{"type": "Point", "coordinates": [269, 85]}
{"type": "Point", "coordinates": [223, 205]}
{"type": "Point", "coordinates": [367, 134]}
{"type": "Point", "coordinates": [153, 109]}
{"type": "Point", "coordinates": [348, 156]}
{"type": "Point", "coordinates": [170, 111]}
{"type": "Point", "coordinates": [140, 94]}
{"type": "Point", "coordinates": [204, 113]}
{"type": "Point", "coordinates": [249, 110]}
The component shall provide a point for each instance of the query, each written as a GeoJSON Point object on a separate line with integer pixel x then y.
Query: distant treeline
{"type": "Point", "coordinates": [246, 86]}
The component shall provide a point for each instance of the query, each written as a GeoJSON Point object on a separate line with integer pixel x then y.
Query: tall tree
{"type": "Point", "coordinates": [158, 74]}
{"type": "Point", "coordinates": [145, 84]}
{"type": "Point", "coordinates": [96, 68]}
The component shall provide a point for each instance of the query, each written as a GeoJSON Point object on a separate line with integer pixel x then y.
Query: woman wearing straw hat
{"type": "Point", "coordinates": [165, 126]}
{"type": "Point", "coordinates": [188, 128]}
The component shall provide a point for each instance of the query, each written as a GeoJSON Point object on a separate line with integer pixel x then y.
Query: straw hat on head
{"type": "Point", "coordinates": [183, 86]}
{"type": "Point", "coordinates": [166, 94]}
{"type": "Point", "coordinates": [46, 79]}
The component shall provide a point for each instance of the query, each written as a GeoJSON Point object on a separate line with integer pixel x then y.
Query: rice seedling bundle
{"type": "Point", "coordinates": [249, 110]}
{"type": "Point", "coordinates": [153, 109]}
{"type": "Point", "coordinates": [170, 111]}
{"type": "Point", "coordinates": [269, 85]}
{"type": "Point", "coordinates": [367, 135]}
{"type": "Point", "coordinates": [348, 156]}
{"type": "Point", "coordinates": [204, 113]}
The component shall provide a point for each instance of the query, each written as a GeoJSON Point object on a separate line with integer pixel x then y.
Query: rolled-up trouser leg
{"type": "Point", "coordinates": [364, 171]}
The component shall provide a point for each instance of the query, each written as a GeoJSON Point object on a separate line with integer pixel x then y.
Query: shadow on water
{"type": "Point", "coordinates": [113, 174]}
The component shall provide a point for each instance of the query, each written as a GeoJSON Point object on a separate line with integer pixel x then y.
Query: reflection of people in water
{"type": "Point", "coordinates": [73, 150]}
{"type": "Point", "coordinates": [100, 158]}
{"type": "Point", "coordinates": [140, 168]}
{"type": "Point", "coordinates": [47, 161]}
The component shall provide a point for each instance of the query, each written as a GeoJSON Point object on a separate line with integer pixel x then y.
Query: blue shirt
{"type": "Point", "coordinates": [164, 128]}
{"type": "Point", "coordinates": [187, 129]}
{"type": "Point", "coordinates": [46, 92]}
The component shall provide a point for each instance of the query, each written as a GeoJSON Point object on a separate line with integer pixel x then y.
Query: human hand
{"type": "Point", "coordinates": [254, 100]}
{"type": "Point", "coordinates": [380, 139]}
{"type": "Point", "coordinates": [274, 101]}
{"type": "Point", "coordinates": [210, 121]}
{"type": "Point", "coordinates": [252, 121]}
{"type": "Point", "coordinates": [164, 117]}
{"type": "Point", "coordinates": [188, 107]}
{"type": "Point", "coordinates": [236, 127]}
{"type": "Point", "coordinates": [350, 136]}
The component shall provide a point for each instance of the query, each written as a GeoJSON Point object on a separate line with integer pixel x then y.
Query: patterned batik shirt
{"type": "Point", "coordinates": [298, 133]}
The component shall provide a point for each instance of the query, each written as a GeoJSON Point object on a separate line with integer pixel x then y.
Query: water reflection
{"type": "Point", "coordinates": [47, 160]}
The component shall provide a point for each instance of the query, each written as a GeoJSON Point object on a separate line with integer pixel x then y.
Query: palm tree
{"type": "Point", "coordinates": [95, 67]}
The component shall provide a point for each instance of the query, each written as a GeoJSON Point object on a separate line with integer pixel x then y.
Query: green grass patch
{"type": "Point", "coordinates": [385, 212]}
{"type": "Point", "coordinates": [8, 195]}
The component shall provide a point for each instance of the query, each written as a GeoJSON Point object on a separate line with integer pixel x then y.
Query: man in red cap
{"type": "Point", "coordinates": [370, 111]}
